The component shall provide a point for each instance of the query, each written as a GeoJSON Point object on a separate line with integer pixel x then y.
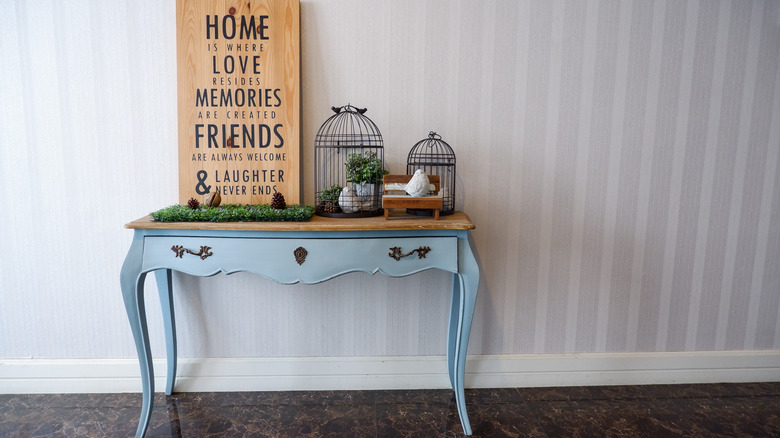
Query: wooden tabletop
{"type": "Point", "coordinates": [455, 221]}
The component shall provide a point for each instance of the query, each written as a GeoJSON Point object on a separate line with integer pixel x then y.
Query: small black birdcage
{"type": "Point", "coordinates": [435, 157]}
{"type": "Point", "coordinates": [348, 165]}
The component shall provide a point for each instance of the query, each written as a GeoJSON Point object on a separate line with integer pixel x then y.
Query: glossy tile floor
{"type": "Point", "coordinates": [720, 410]}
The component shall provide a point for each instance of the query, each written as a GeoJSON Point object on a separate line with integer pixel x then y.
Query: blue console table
{"type": "Point", "coordinates": [292, 252]}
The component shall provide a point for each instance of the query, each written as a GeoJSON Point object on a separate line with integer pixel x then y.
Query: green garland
{"type": "Point", "coordinates": [234, 213]}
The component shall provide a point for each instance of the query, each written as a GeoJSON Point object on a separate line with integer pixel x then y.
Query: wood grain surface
{"type": "Point", "coordinates": [456, 221]}
{"type": "Point", "coordinates": [239, 126]}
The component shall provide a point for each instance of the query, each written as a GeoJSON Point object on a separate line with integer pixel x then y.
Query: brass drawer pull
{"type": "Point", "coordinates": [203, 253]}
{"type": "Point", "coordinates": [300, 254]}
{"type": "Point", "coordinates": [398, 254]}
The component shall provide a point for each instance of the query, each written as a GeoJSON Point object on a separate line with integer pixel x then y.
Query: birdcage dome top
{"type": "Point", "coordinates": [431, 151]}
{"type": "Point", "coordinates": [348, 128]}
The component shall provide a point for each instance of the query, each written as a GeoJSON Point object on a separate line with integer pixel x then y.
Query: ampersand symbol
{"type": "Point", "coordinates": [201, 188]}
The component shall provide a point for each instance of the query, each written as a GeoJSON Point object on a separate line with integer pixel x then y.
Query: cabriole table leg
{"type": "Point", "coordinates": [165, 291]}
{"type": "Point", "coordinates": [468, 281]}
{"type": "Point", "coordinates": [132, 283]}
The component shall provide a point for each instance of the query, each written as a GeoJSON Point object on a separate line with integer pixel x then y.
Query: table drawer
{"type": "Point", "coordinates": [300, 260]}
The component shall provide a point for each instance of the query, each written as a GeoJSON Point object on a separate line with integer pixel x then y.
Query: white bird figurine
{"type": "Point", "coordinates": [347, 201]}
{"type": "Point", "coordinates": [419, 185]}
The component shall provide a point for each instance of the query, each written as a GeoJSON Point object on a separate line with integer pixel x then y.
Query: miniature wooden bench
{"type": "Point", "coordinates": [395, 197]}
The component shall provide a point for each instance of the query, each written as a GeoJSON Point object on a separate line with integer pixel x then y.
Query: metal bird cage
{"type": "Point", "coordinates": [435, 157]}
{"type": "Point", "coordinates": [348, 165]}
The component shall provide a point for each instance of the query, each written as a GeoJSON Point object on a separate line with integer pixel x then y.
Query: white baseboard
{"type": "Point", "coordinates": [28, 376]}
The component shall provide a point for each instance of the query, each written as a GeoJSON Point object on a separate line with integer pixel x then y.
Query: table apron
{"type": "Point", "coordinates": [305, 260]}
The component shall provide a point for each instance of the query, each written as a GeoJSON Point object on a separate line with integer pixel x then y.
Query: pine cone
{"type": "Point", "coordinates": [278, 202]}
{"type": "Point", "coordinates": [193, 203]}
{"type": "Point", "coordinates": [329, 207]}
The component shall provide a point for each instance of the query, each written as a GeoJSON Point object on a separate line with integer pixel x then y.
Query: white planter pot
{"type": "Point", "coordinates": [364, 191]}
{"type": "Point", "coordinates": [365, 194]}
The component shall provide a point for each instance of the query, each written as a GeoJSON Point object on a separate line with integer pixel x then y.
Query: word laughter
{"type": "Point", "coordinates": [249, 176]}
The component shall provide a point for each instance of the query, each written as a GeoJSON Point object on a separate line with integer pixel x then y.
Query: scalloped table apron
{"type": "Point", "coordinates": [292, 252]}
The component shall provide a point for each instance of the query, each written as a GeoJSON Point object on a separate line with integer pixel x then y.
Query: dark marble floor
{"type": "Point", "coordinates": [719, 410]}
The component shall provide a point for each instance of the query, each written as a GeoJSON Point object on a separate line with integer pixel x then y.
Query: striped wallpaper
{"type": "Point", "coordinates": [619, 158]}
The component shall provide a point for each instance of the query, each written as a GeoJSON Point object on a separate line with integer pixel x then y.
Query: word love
{"type": "Point", "coordinates": [229, 64]}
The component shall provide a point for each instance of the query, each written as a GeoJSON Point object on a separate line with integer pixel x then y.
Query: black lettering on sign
{"type": "Point", "coordinates": [201, 188]}
{"type": "Point", "coordinates": [247, 28]}
{"type": "Point", "coordinates": [239, 135]}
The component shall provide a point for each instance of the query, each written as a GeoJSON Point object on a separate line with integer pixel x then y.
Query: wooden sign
{"type": "Point", "coordinates": [238, 66]}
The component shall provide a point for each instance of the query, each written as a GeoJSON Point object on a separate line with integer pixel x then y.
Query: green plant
{"type": "Point", "coordinates": [331, 194]}
{"type": "Point", "coordinates": [364, 168]}
{"type": "Point", "coordinates": [234, 213]}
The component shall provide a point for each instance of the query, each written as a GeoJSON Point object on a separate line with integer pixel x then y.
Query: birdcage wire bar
{"type": "Point", "coordinates": [345, 140]}
{"type": "Point", "coordinates": [435, 157]}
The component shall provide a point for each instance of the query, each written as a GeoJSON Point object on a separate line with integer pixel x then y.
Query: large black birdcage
{"type": "Point", "coordinates": [435, 157]}
{"type": "Point", "coordinates": [348, 165]}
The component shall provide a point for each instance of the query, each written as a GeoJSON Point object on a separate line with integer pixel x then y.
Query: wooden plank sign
{"type": "Point", "coordinates": [238, 66]}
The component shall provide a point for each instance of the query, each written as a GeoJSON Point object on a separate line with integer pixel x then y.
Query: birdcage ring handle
{"type": "Point", "coordinates": [349, 108]}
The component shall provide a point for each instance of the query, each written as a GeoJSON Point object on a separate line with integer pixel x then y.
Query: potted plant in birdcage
{"type": "Point", "coordinates": [364, 171]}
